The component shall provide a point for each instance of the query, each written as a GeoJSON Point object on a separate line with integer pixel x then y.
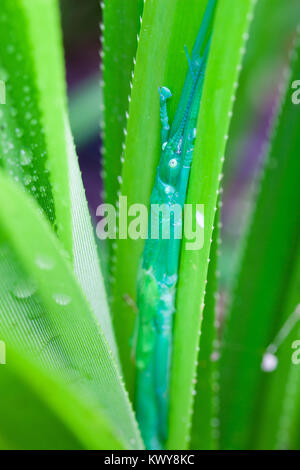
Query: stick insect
{"type": "Point", "coordinates": [158, 273]}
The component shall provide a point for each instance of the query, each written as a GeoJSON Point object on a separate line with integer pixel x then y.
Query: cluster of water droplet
{"type": "Point", "coordinates": [22, 142]}
{"type": "Point", "coordinates": [46, 263]}
{"type": "Point", "coordinates": [25, 288]}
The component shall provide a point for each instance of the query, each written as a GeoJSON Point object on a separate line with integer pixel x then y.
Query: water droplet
{"type": "Point", "coordinates": [19, 132]}
{"type": "Point", "coordinates": [10, 48]}
{"type": "Point", "coordinates": [215, 422]}
{"type": "Point", "coordinates": [26, 158]}
{"type": "Point", "coordinates": [24, 289]}
{"type": "Point", "coordinates": [215, 356]}
{"type": "Point", "coordinates": [27, 180]}
{"type": "Point", "coordinates": [13, 112]}
{"type": "Point", "coordinates": [269, 362]}
{"type": "Point", "coordinates": [62, 299]}
{"type": "Point", "coordinates": [200, 219]}
{"type": "Point", "coordinates": [44, 262]}
{"type": "Point", "coordinates": [3, 74]}
{"type": "Point", "coordinates": [168, 189]}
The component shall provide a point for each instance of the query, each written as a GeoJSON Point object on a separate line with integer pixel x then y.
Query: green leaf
{"type": "Point", "coordinates": [214, 117]}
{"type": "Point", "coordinates": [36, 146]}
{"type": "Point", "coordinates": [161, 60]}
{"type": "Point", "coordinates": [121, 24]}
{"type": "Point", "coordinates": [45, 316]}
{"type": "Point", "coordinates": [40, 412]}
{"type": "Point", "coordinates": [256, 312]}
{"type": "Point", "coordinates": [204, 433]}
{"type": "Point", "coordinates": [23, 145]}
{"type": "Point", "coordinates": [265, 54]}
{"type": "Point", "coordinates": [252, 117]}
{"type": "Point", "coordinates": [86, 262]}
{"type": "Point", "coordinates": [279, 420]}
{"type": "Point", "coordinates": [166, 27]}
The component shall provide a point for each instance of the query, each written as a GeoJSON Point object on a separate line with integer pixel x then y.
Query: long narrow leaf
{"type": "Point", "coordinates": [218, 95]}
{"type": "Point", "coordinates": [256, 312]}
{"type": "Point", "coordinates": [121, 25]}
{"type": "Point", "coordinates": [45, 314]}
{"type": "Point", "coordinates": [166, 27]}
{"type": "Point", "coordinates": [35, 145]}
{"type": "Point", "coordinates": [279, 418]}
{"type": "Point", "coordinates": [34, 418]}
{"type": "Point", "coordinates": [204, 433]}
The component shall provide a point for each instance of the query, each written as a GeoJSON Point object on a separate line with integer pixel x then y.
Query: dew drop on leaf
{"type": "Point", "coordinates": [19, 132]}
{"type": "Point", "coordinates": [27, 180]}
{"type": "Point", "coordinates": [215, 356]}
{"type": "Point", "coordinates": [10, 48]}
{"type": "Point", "coordinates": [13, 112]}
{"type": "Point", "coordinates": [26, 157]}
{"type": "Point", "coordinates": [3, 75]}
{"type": "Point", "coordinates": [62, 299]}
{"type": "Point", "coordinates": [269, 362]}
{"type": "Point", "coordinates": [44, 262]}
{"type": "Point", "coordinates": [24, 289]}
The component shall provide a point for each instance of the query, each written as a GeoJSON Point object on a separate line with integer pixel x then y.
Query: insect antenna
{"type": "Point", "coordinates": [195, 64]}
{"type": "Point", "coordinates": [190, 63]}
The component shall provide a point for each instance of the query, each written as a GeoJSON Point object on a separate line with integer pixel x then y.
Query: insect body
{"type": "Point", "coordinates": [157, 277]}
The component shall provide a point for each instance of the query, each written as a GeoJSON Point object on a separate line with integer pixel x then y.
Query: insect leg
{"type": "Point", "coordinates": [164, 95]}
{"type": "Point", "coordinates": [146, 408]}
{"type": "Point", "coordinates": [163, 350]}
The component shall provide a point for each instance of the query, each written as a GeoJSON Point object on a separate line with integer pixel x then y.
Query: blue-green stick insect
{"type": "Point", "coordinates": [158, 273]}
